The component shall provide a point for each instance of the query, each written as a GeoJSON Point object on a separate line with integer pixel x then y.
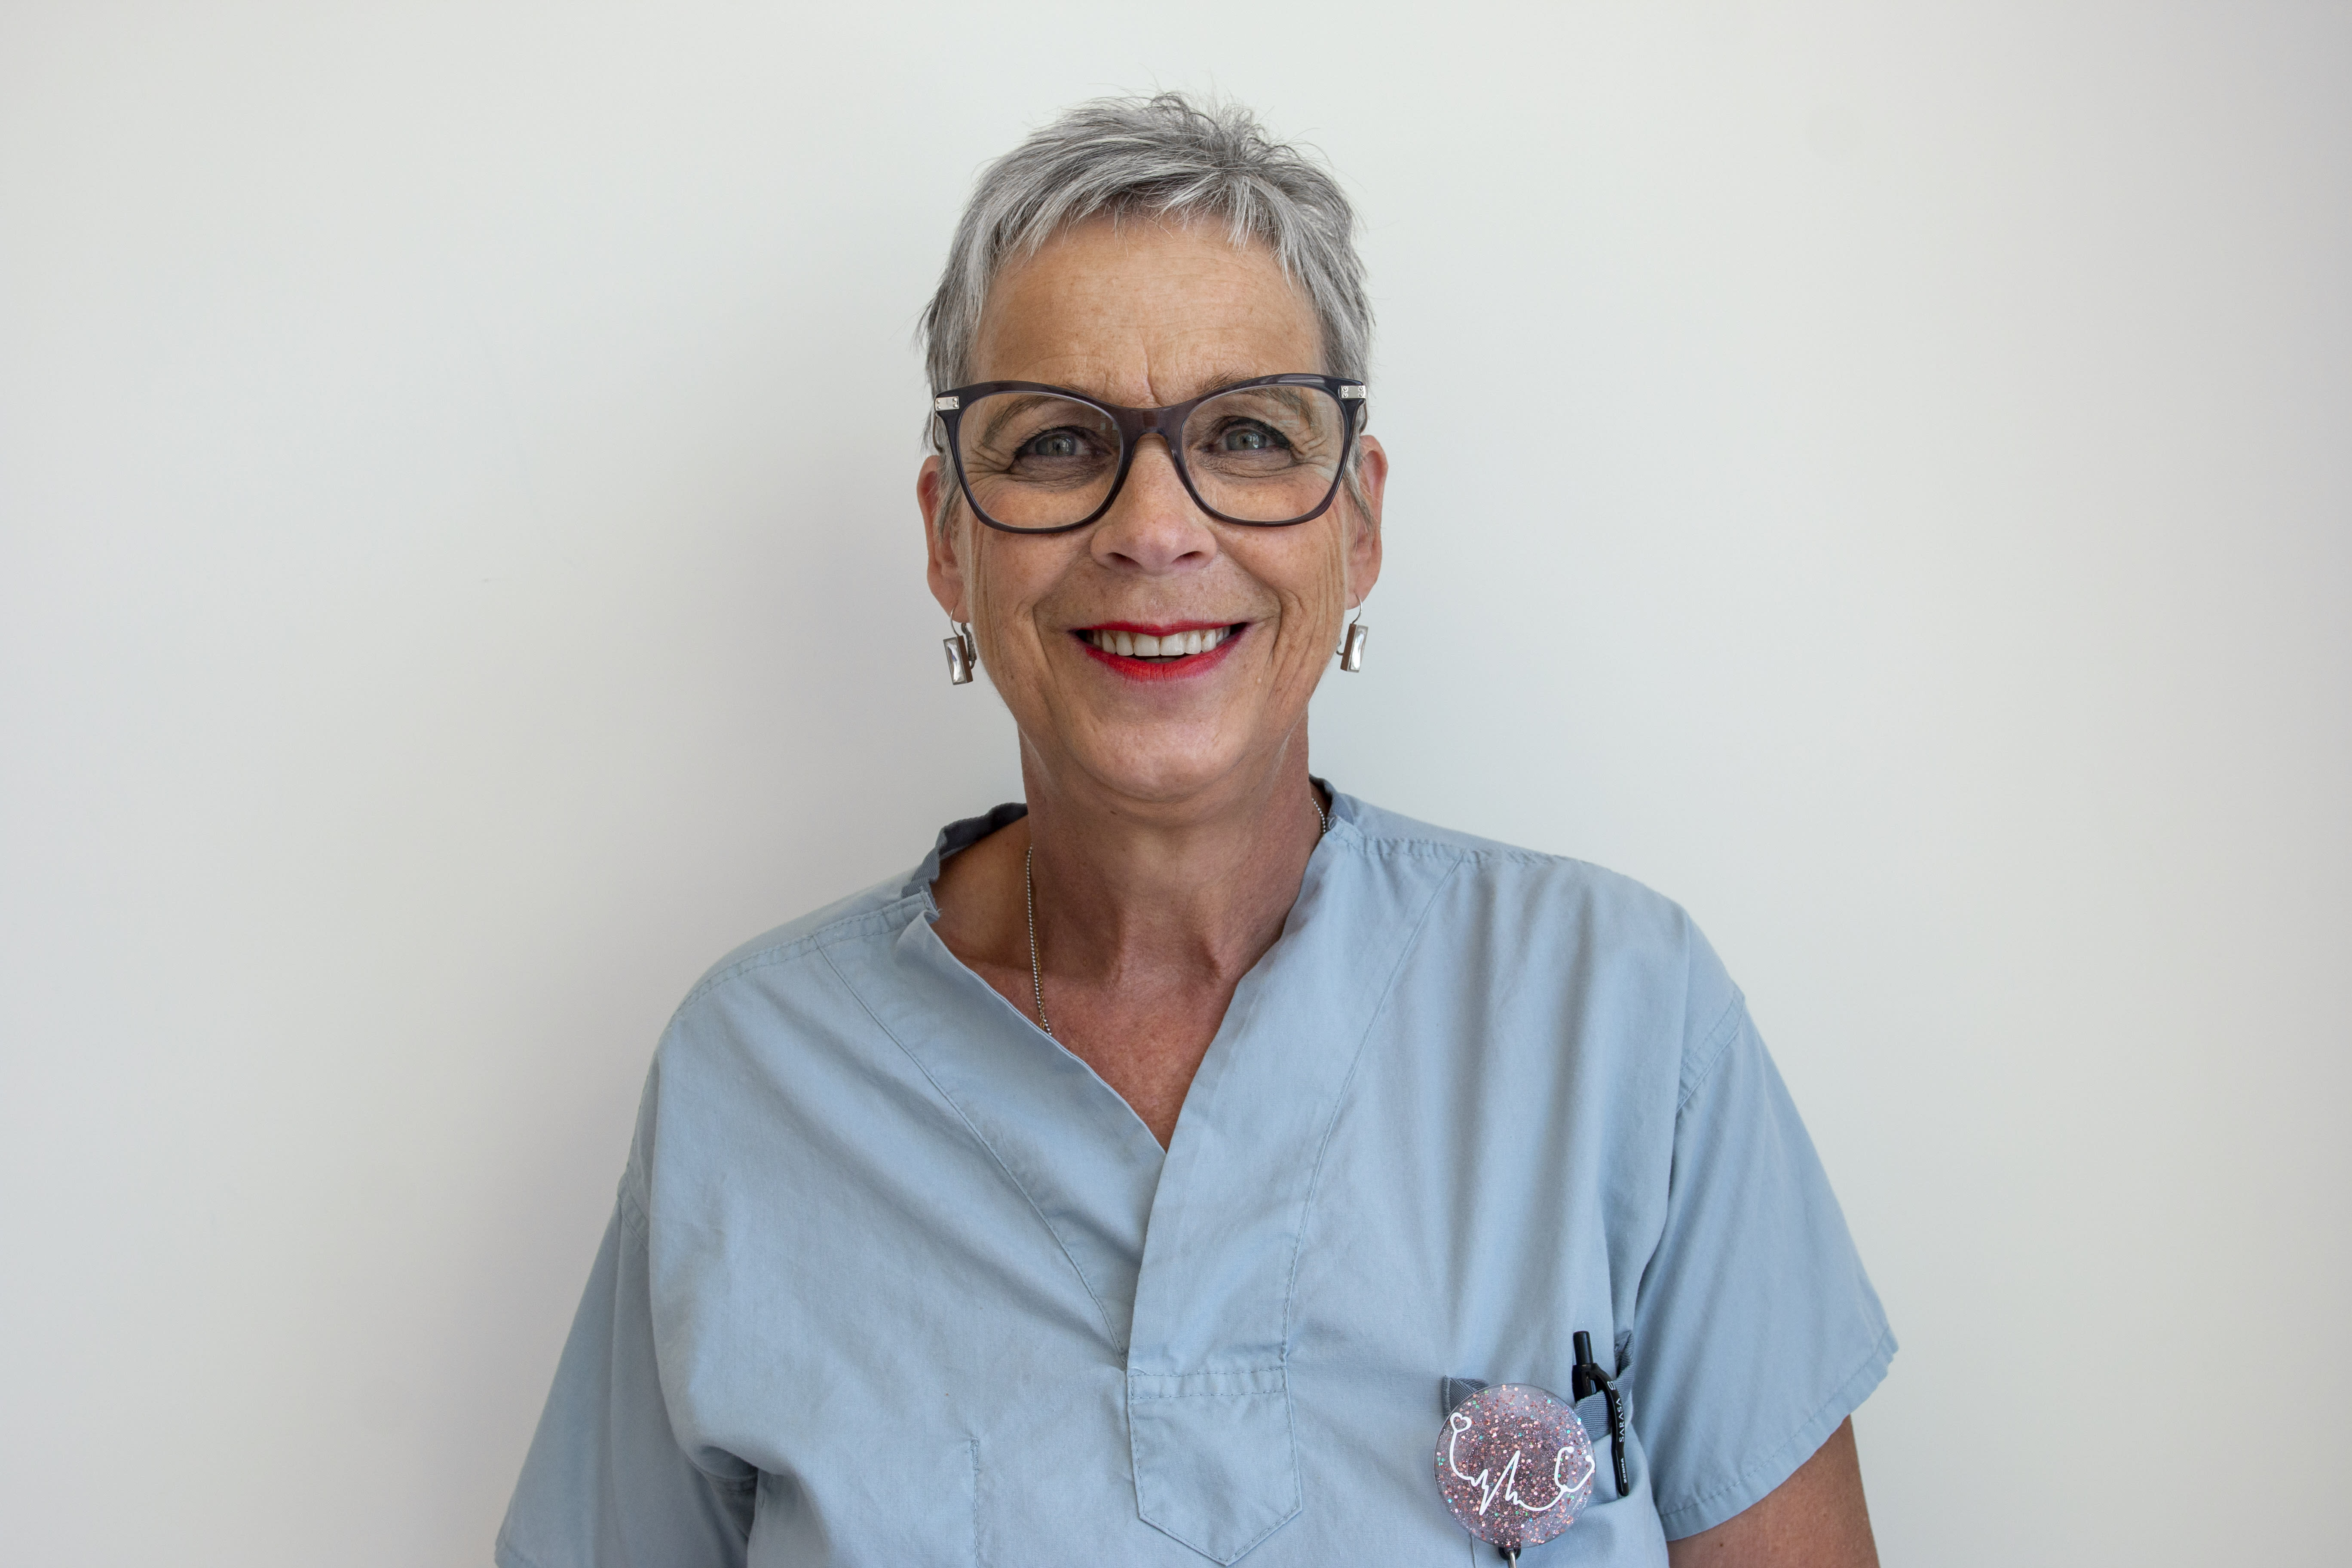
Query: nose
{"type": "Point", "coordinates": [1153, 526]}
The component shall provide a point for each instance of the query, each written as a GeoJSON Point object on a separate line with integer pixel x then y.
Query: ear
{"type": "Point", "coordinates": [1363, 523]}
{"type": "Point", "coordinates": [940, 536]}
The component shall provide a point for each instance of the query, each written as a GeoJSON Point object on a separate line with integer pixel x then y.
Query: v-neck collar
{"type": "Point", "coordinates": [1188, 1253]}
{"type": "Point", "coordinates": [1073, 1146]}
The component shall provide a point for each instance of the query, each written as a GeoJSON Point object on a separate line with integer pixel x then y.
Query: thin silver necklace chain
{"type": "Point", "coordinates": [1029, 897]}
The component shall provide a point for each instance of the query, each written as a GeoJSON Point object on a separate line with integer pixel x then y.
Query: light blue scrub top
{"type": "Point", "coordinates": [895, 1279]}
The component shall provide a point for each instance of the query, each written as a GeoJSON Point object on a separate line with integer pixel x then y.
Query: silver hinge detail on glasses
{"type": "Point", "coordinates": [1352, 393]}
{"type": "Point", "coordinates": [946, 405]}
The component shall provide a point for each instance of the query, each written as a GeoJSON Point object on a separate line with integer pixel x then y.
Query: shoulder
{"type": "Point", "coordinates": [1608, 904]}
{"type": "Point", "coordinates": [765, 1034]}
{"type": "Point", "coordinates": [1595, 929]}
{"type": "Point", "coordinates": [881, 910]}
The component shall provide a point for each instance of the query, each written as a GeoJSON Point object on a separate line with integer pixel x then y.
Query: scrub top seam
{"type": "Point", "coordinates": [1339, 1101]}
{"type": "Point", "coordinates": [1716, 1046]}
{"type": "Point", "coordinates": [1865, 1375]}
{"type": "Point", "coordinates": [982, 1139]}
{"type": "Point", "coordinates": [1439, 848]}
{"type": "Point", "coordinates": [506, 1554]}
{"type": "Point", "coordinates": [1206, 1394]}
{"type": "Point", "coordinates": [637, 1223]}
{"type": "Point", "coordinates": [632, 1212]}
{"type": "Point", "coordinates": [870, 923]}
{"type": "Point", "coordinates": [974, 1451]}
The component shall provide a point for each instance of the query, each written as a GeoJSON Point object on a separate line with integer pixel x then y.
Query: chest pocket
{"type": "Point", "coordinates": [1216, 1465]}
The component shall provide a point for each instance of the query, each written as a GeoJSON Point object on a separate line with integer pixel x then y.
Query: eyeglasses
{"type": "Point", "coordinates": [1265, 453]}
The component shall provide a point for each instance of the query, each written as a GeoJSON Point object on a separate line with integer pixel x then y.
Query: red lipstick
{"type": "Point", "coordinates": [1132, 667]}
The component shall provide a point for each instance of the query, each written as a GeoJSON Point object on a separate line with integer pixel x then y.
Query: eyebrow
{"type": "Point", "coordinates": [1227, 376]}
{"type": "Point", "coordinates": [1215, 380]}
{"type": "Point", "coordinates": [1012, 405]}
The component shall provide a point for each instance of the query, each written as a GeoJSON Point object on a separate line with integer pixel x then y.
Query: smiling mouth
{"type": "Point", "coordinates": [1168, 648]}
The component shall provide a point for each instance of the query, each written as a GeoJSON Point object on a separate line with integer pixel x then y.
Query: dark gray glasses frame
{"type": "Point", "coordinates": [1135, 424]}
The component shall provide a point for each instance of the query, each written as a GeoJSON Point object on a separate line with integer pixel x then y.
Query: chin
{"type": "Point", "coordinates": [1151, 762]}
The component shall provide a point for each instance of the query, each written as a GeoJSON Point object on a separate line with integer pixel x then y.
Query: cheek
{"type": "Point", "coordinates": [1007, 584]}
{"type": "Point", "coordinates": [1317, 596]}
{"type": "Point", "coordinates": [995, 581]}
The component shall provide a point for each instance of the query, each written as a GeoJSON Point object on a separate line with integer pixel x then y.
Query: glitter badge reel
{"type": "Point", "coordinates": [1514, 1466]}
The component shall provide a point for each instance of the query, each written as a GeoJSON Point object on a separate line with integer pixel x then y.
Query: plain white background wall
{"type": "Point", "coordinates": [1881, 475]}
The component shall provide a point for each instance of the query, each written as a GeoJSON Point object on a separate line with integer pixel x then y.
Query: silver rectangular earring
{"type": "Point", "coordinates": [963, 656]}
{"type": "Point", "coordinates": [1351, 652]}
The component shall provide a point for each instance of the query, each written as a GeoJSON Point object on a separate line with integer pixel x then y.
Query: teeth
{"type": "Point", "coordinates": [1175, 644]}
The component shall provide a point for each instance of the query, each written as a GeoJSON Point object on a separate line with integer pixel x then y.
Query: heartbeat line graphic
{"type": "Point", "coordinates": [1507, 1484]}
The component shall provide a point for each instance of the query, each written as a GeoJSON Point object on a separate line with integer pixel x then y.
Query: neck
{"type": "Point", "coordinates": [1199, 893]}
{"type": "Point", "coordinates": [1148, 915]}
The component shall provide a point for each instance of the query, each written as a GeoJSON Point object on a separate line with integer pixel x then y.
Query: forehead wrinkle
{"type": "Point", "coordinates": [1146, 324]}
{"type": "Point", "coordinates": [1155, 384]}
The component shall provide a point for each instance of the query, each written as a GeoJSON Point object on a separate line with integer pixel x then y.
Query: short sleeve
{"type": "Point", "coordinates": [606, 1485]}
{"type": "Point", "coordinates": [1755, 1331]}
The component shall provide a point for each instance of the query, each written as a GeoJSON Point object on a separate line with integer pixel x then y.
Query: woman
{"type": "Point", "coordinates": [1124, 1183]}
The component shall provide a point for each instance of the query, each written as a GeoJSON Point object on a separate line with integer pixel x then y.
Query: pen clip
{"type": "Point", "coordinates": [1586, 1379]}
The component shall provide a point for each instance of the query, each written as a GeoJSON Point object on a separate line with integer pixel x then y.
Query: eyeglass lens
{"type": "Point", "coordinates": [1256, 454]}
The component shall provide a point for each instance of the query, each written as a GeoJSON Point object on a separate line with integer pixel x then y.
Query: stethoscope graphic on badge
{"type": "Point", "coordinates": [1513, 1463]}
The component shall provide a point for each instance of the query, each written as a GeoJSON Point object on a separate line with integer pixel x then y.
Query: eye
{"type": "Point", "coordinates": [1248, 436]}
{"type": "Point", "coordinates": [1063, 442]}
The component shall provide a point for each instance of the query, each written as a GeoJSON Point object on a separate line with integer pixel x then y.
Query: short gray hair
{"type": "Point", "coordinates": [1163, 156]}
